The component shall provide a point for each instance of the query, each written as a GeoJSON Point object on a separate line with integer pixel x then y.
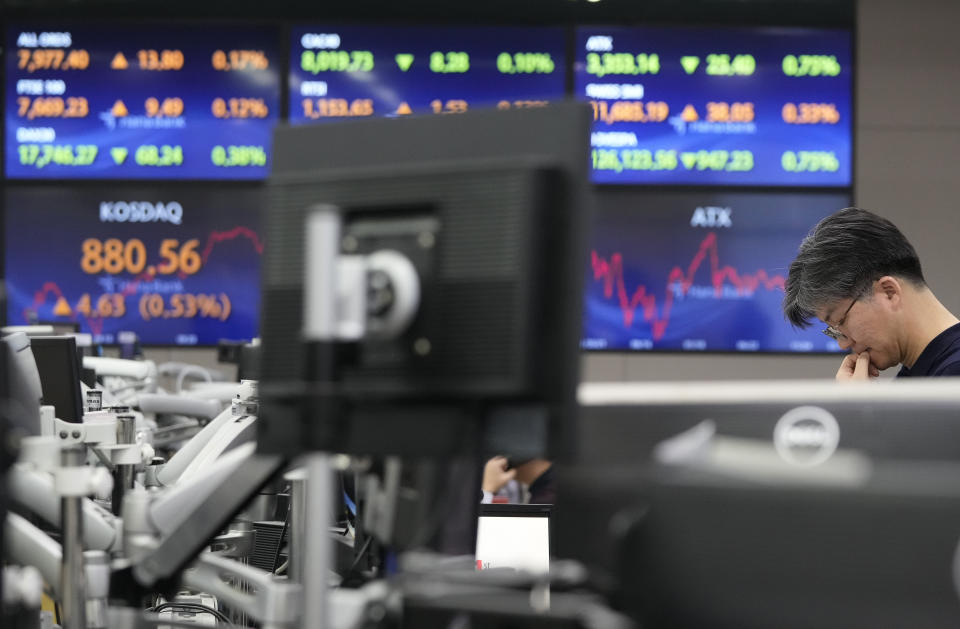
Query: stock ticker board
{"type": "Point", "coordinates": [339, 72]}
{"type": "Point", "coordinates": [717, 106]}
{"type": "Point", "coordinates": [691, 271]}
{"type": "Point", "coordinates": [131, 101]}
{"type": "Point", "coordinates": [177, 265]}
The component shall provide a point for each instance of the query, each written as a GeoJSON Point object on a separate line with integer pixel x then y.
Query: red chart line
{"type": "Point", "coordinates": [610, 272]}
{"type": "Point", "coordinates": [236, 232]}
{"type": "Point", "coordinates": [40, 298]}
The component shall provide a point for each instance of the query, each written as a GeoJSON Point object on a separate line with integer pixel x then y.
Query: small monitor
{"type": "Point", "coordinates": [59, 366]}
{"type": "Point", "coordinates": [245, 355]}
{"type": "Point", "coordinates": [89, 377]}
{"type": "Point", "coordinates": [249, 366]}
{"type": "Point", "coordinates": [514, 536]}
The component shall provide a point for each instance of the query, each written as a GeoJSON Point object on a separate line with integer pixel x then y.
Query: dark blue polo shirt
{"type": "Point", "coordinates": [941, 357]}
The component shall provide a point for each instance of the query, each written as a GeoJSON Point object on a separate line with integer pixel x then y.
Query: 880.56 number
{"type": "Point", "coordinates": [115, 256]}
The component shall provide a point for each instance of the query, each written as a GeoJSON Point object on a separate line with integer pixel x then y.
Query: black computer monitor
{"type": "Point", "coordinates": [88, 375]}
{"type": "Point", "coordinates": [244, 354]}
{"type": "Point", "coordinates": [249, 366]}
{"type": "Point", "coordinates": [490, 207]}
{"type": "Point", "coordinates": [896, 420]}
{"type": "Point", "coordinates": [762, 504]}
{"type": "Point", "coordinates": [22, 385]}
{"type": "Point", "coordinates": [716, 553]}
{"type": "Point", "coordinates": [59, 366]}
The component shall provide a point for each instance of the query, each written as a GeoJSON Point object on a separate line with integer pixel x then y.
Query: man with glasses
{"type": "Point", "coordinates": [858, 274]}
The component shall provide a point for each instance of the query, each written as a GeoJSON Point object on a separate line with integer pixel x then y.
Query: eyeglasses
{"type": "Point", "coordinates": [834, 332]}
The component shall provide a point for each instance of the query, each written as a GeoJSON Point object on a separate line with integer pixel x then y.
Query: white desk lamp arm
{"type": "Point", "coordinates": [176, 504]}
{"type": "Point", "coordinates": [35, 491]}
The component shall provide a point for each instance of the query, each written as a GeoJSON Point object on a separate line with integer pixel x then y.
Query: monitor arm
{"type": "Point", "coordinates": [164, 532]}
{"type": "Point", "coordinates": [165, 403]}
{"type": "Point", "coordinates": [31, 485]}
{"type": "Point", "coordinates": [27, 545]}
{"type": "Point", "coordinates": [216, 437]}
{"type": "Point", "coordinates": [121, 367]}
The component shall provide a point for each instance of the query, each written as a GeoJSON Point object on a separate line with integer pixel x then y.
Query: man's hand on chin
{"type": "Point", "coordinates": [857, 367]}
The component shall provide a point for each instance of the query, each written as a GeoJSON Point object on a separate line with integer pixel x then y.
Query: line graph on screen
{"type": "Point", "coordinates": [610, 272]}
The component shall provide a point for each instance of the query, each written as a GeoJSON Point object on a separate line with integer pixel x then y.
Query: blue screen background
{"type": "Point", "coordinates": [197, 84]}
{"type": "Point", "coordinates": [649, 228]}
{"type": "Point", "coordinates": [768, 88]}
{"type": "Point", "coordinates": [45, 230]}
{"type": "Point", "coordinates": [481, 86]}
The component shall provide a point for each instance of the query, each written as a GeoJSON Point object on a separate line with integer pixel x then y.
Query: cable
{"type": "Point", "coordinates": [351, 505]}
{"type": "Point", "coordinates": [192, 369]}
{"type": "Point", "coordinates": [363, 549]}
{"type": "Point", "coordinates": [192, 607]}
{"type": "Point", "coordinates": [283, 531]}
{"type": "Point", "coordinates": [441, 495]}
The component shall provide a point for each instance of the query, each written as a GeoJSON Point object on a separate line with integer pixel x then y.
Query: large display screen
{"type": "Point", "coordinates": [718, 106]}
{"type": "Point", "coordinates": [698, 271]}
{"type": "Point", "coordinates": [177, 265]}
{"type": "Point", "coordinates": [339, 72]}
{"type": "Point", "coordinates": [128, 101]}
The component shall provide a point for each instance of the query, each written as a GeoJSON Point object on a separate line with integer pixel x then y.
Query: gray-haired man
{"type": "Point", "coordinates": [857, 273]}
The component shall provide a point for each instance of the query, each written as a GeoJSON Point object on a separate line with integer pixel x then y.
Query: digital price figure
{"type": "Point", "coordinates": [317, 108]}
{"type": "Point", "coordinates": [698, 272]}
{"type": "Point", "coordinates": [153, 102]}
{"type": "Point", "coordinates": [239, 60]}
{"type": "Point", "coordinates": [176, 266]}
{"type": "Point", "coordinates": [42, 155]}
{"type": "Point", "coordinates": [340, 72]}
{"type": "Point", "coordinates": [227, 156]}
{"type": "Point", "coordinates": [737, 106]}
{"type": "Point", "coordinates": [160, 60]}
{"type": "Point", "coordinates": [622, 64]}
{"type": "Point", "coordinates": [664, 159]}
{"type": "Point", "coordinates": [811, 65]}
{"type": "Point", "coordinates": [39, 59]}
{"type": "Point", "coordinates": [52, 107]}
